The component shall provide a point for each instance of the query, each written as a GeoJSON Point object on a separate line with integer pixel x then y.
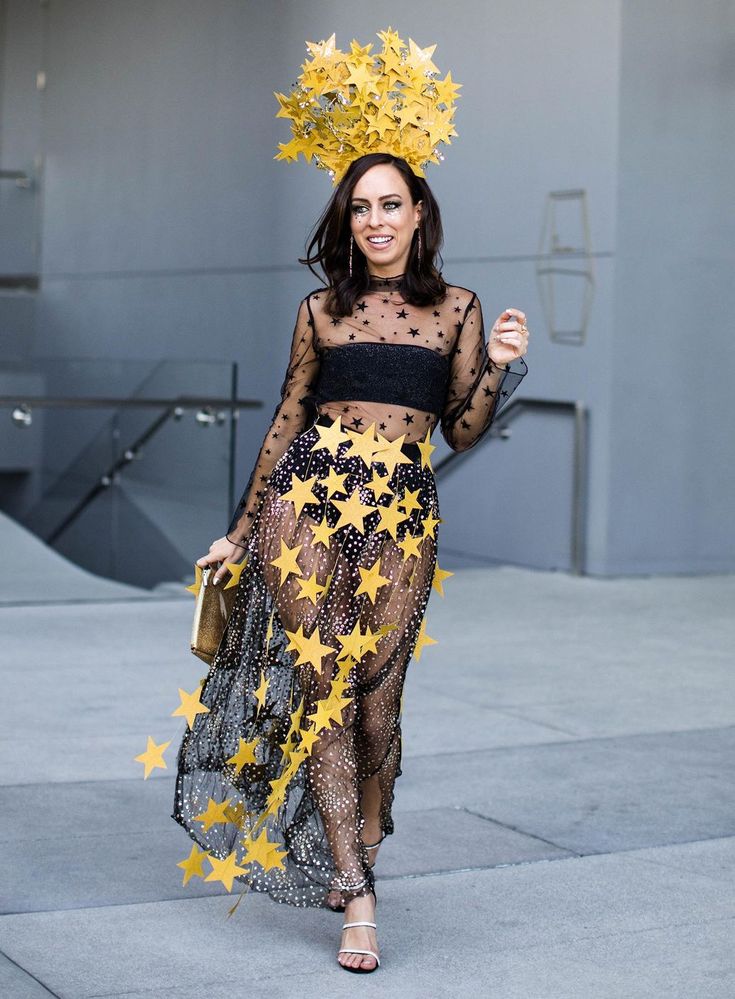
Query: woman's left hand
{"type": "Point", "coordinates": [508, 337]}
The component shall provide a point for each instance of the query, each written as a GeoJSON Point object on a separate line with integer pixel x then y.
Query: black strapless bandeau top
{"type": "Point", "coordinates": [401, 374]}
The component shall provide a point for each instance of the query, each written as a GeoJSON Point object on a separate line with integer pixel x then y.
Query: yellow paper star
{"type": "Point", "coordinates": [262, 851]}
{"type": "Point", "coordinates": [422, 640]}
{"type": "Point", "coordinates": [261, 691]}
{"type": "Point", "coordinates": [225, 870]}
{"type": "Point", "coordinates": [301, 492]}
{"type": "Point", "coordinates": [324, 49]}
{"type": "Point", "coordinates": [421, 58]}
{"type": "Point", "coordinates": [321, 718]}
{"type": "Point", "coordinates": [363, 443]}
{"type": "Point", "coordinates": [296, 716]}
{"type": "Point", "coordinates": [214, 813]}
{"type": "Point", "coordinates": [153, 756]}
{"type": "Point", "coordinates": [446, 90]}
{"type": "Point", "coordinates": [390, 453]}
{"type": "Point", "coordinates": [411, 545]}
{"type": "Point", "coordinates": [352, 643]}
{"type": "Point", "coordinates": [370, 640]}
{"type": "Point", "coordinates": [371, 580]}
{"type": "Point", "coordinates": [439, 576]}
{"type": "Point", "coordinates": [192, 866]}
{"type": "Point", "coordinates": [322, 532]}
{"type": "Point", "coordinates": [236, 570]}
{"type": "Point", "coordinates": [245, 754]}
{"type": "Point", "coordinates": [379, 485]}
{"type": "Point", "coordinates": [308, 737]}
{"type": "Point", "coordinates": [296, 638]}
{"type": "Point", "coordinates": [335, 706]}
{"type": "Point", "coordinates": [312, 650]}
{"type": "Point", "coordinates": [335, 482]}
{"type": "Point", "coordinates": [196, 585]}
{"type": "Point", "coordinates": [279, 789]}
{"type": "Point", "coordinates": [330, 436]}
{"type": "Point", "coordinates": [286, 561]}
{"type": "Point", "coordinates": [429, 524]}
{"type": "Point", "coordinates": [190, 706]}
{"type": "Point", "coordinates": [353, 511]}
{"type": "Point", "coordinates": [269, 629]}
{"type": "Point", "coordinates": [425, 447]}
{"type": "Point", "coordinates": [236, 814]}
{"type": "Point", "coordinates": [390, 518]}
{"type": "Point", "coordinates": [410, 501]}
{"type": "Point", "coordinates": [310, 589]}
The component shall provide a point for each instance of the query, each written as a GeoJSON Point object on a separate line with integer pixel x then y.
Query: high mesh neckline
{"type": "Point", "coordinates": [377, 283]}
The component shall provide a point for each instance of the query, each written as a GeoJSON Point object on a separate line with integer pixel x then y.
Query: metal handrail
{"type": "Point", "coordinates": [103, 402]}
{"type": "Point", "coordinates": [172, 407]}
{"type": "Point", "coordinates": [580, 462]}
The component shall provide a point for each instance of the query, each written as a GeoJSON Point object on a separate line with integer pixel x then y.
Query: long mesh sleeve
{"type": "Point", "coordinates": [478, 388]}
{"type": "Point", "coordinates": [290, 417]}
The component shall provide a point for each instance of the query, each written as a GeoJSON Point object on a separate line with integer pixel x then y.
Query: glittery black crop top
{"type": "Point", "coordinates": [403, 367]}
{"type": "Point", "coordinates": [403, 374]}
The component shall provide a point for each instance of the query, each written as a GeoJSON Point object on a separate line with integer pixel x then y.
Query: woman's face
{"type": "Point", "coordinates": [383, 218]}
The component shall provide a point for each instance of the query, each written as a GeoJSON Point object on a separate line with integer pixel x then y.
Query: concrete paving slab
{"type": "Point", "coordinates": [126, 826]}
{"type": "Point", "coordinates": [593, 796]}
{"type": "Point", "coordinates": [15, 983]}
{"type": "Point", "coordinates": [711, 858]}
{"type": "Point", "coordinates": [437, 933]}
{"type": "Point", "coordinates": [436, 840]}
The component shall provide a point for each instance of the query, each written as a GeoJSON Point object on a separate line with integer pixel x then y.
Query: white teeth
{"type": "Point", "coordinates": [379, 239]}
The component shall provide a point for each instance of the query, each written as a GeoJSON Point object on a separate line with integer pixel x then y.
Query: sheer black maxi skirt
{"type": "Point", "coordinates": [304, 693]}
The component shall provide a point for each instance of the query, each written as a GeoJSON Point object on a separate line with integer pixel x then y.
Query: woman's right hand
{"type": "Point", "coordinates": [222, 551]}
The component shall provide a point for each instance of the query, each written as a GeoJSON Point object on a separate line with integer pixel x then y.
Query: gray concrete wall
{"type": "Point", "coordinates": [672, 473]}
{"type": "Point", "coordinates": [169, 231]}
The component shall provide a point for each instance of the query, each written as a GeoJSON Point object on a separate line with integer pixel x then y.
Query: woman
{"type": "Point", "coordinates": [300, 745]}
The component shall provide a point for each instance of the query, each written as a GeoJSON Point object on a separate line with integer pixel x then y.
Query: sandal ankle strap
{"type": "Point", "coordinates": [348, 926]}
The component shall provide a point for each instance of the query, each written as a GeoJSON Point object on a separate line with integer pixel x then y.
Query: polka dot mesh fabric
{"type": "Point", "coordinates": [339, 526]}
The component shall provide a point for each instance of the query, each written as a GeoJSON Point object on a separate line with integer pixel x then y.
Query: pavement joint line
{"type": "Point", "coordinates": [11, 960]}
{"type": "Point", "coordinates": [613, 933]}
{"type": "Point", "coordinates": [588, 740]}
{"type": "Point", "coordinates": [570, 857]}
{"type": "Point", "coordinates": [517, 829]}
{"type": "Point", "coordinates": [492, 707]}
{"type": "Point", "coordinates": [80, 601]}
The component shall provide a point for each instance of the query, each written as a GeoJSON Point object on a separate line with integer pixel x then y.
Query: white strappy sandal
{"type": "Point", "coordinates": [352, 950]}
{"type": "Point", "coordinates": [374, 846]}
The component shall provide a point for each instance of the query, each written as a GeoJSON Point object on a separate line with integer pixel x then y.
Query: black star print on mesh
{"type": "Point", "coordinates": [451, 329]}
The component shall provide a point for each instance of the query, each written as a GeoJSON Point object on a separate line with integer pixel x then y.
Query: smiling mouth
{"type": "Point", "coordinates": [379, 240]}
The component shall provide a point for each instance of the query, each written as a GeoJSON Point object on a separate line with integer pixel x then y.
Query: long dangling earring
{"type": "Point", "coordinates": [419, 231]}
{"type": "Point", "coordinates": [352, 240]}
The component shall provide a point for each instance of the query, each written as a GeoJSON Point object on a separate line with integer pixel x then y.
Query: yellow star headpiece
{"type": "Point", "coordinates": [346, 104]}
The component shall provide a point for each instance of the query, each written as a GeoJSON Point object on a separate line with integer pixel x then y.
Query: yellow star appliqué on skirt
{"type": "Point", "coordinates": [225, 870]}
{"type": "Point", "coordinates": [153, 756]}
{"type": "Point", "coordinates": [190, 706]}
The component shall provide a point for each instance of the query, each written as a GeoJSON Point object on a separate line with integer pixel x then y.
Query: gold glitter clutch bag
{"type": "Point", "coordinates": [213, 607]}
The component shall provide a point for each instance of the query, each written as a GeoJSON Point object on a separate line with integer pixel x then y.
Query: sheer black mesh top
{"type": "Point", "coordinates": [403, 367]}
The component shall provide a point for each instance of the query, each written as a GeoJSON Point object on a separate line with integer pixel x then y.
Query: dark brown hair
{"type": "Point", "coordinates": [329, 243]}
